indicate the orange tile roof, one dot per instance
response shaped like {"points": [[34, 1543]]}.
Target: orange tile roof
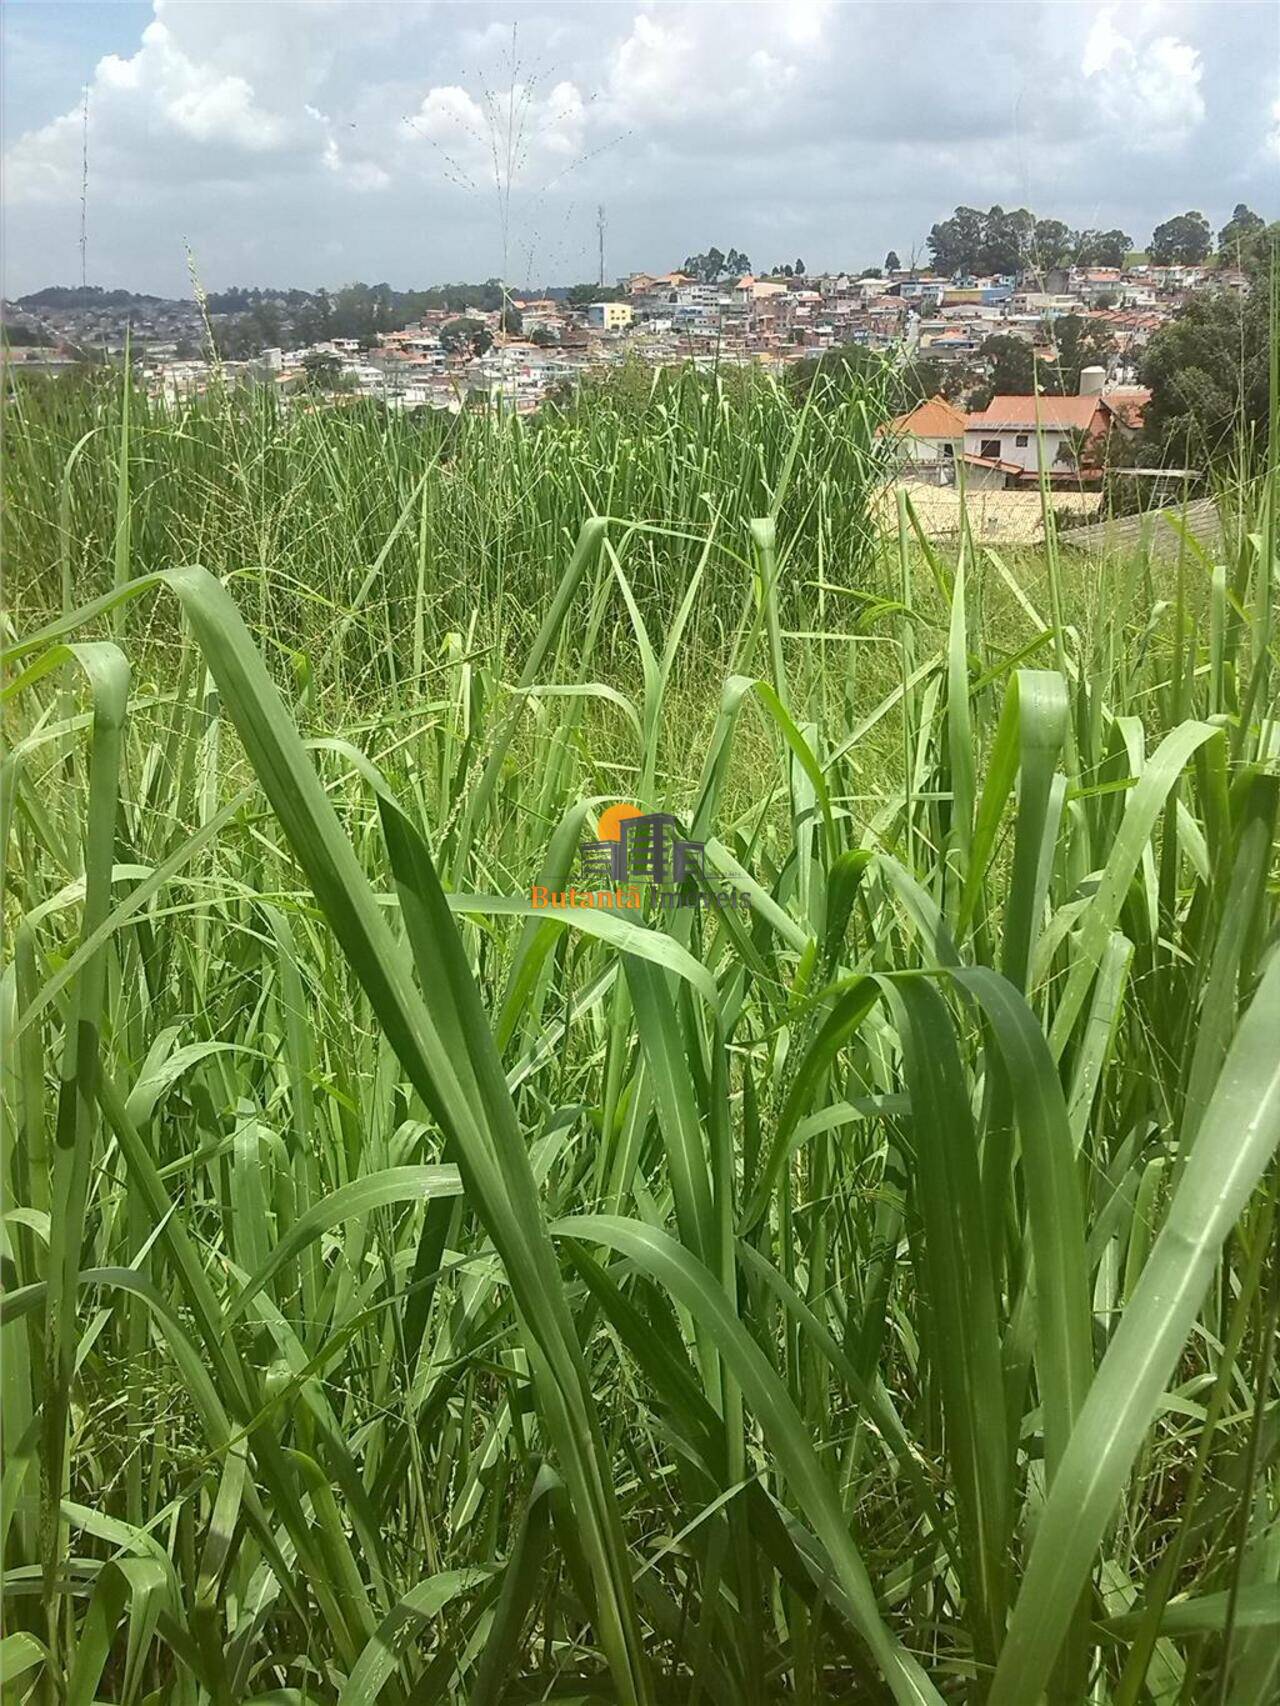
{"points": [[1129, 402], [935, 419], [1055, 414]]}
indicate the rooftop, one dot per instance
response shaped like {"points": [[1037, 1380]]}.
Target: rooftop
{"points": [[935, 419], [1055, 414]]}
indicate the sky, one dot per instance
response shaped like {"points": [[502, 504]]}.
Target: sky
{"points": [[316, 142]]}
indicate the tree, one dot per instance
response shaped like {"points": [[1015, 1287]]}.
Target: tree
{"points": [[1208, 369], [544, 337], [512, 320], [580, 295], [1080, 344], [1012, 365], [835, 372], [891, 262], [1051, 244], [705, 268], [1242, 225], [871, 272], [955, 244], [1257, 251], [800, 272], [1184, 240], [238, 338], [323, 372], [265, 318], [1006, 239], [1102, 248], [736, 264], [459, 334], [975, 242]]}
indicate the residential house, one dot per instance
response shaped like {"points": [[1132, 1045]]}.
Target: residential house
{"points": [[930, 437], [609, 316], [1007, 443]]}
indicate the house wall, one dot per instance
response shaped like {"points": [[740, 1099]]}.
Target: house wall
{"points": [[609, 316], [984, 479], [1025, 455], [928, 451]]}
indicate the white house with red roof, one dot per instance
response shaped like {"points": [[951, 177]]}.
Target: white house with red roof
{"points": [[1007, 443], [931, 435]]}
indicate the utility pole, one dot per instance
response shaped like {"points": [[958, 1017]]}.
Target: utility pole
{"points": [[84, 191], [600, 238]]}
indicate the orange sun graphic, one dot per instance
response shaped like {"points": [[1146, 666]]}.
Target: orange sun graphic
{"points": [[613, 817]]}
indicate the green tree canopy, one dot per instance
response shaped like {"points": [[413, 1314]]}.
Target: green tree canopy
{"points": [[1012, 241], [715, 264], [1051, 244], [580, 295], [1184, 240], [955, 244], [1101, 248], [462, 333], [1209, 369], [1080, 344], [322, 371], [1012, 365], [1242, 225]]}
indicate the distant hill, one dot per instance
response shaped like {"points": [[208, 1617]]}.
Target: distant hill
{"points": [[85, 296]]}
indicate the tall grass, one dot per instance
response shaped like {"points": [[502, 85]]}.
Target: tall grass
{"points": [[414, 1296]]}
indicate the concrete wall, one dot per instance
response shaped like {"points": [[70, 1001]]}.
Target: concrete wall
{"points": [[1025, 455]]}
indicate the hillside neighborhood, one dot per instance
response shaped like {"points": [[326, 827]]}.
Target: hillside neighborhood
{"points": [[516, 354], [1031, 375]]}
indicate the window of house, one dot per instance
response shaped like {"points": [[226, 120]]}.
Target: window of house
{"points": [[990, 447], [948, 450], [1021, 441]]}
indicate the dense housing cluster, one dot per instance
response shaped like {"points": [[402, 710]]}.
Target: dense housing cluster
{"points": [[515, 353]]}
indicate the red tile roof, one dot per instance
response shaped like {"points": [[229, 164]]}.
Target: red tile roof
{"points": [[1023, 414], [935, 419], [1129, 402]]}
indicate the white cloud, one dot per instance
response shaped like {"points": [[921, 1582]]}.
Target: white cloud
{"points": [[449, 114], [709, 63], [1147, 90], [286, 140], [140, 106], [1104, 45], [654, 66], [804, 21]]}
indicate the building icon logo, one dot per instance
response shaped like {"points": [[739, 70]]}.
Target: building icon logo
{"points": [[642, 859], [645, 847]]}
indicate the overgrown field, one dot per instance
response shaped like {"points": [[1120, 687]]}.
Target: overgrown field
{"points": [[863, 1292]]}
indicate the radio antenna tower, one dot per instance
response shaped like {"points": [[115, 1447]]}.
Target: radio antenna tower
{"points": [[84, 191], [600, 239]]}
